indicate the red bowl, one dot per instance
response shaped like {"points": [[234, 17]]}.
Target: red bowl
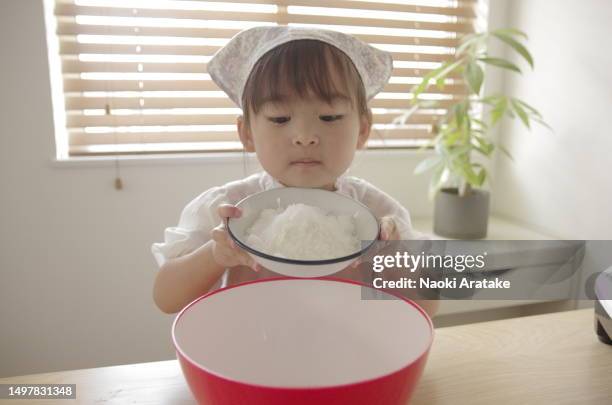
{"points": [[301, 341]]}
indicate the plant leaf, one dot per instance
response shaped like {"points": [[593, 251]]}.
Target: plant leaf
{"points": [[505, 152], [418, 89], [529, 108], [405, 116], [448, 69], [451, 138], [460, 151], [466, 171], [439, 73], [482, 145], [459, 112], [510, 31], [541, 122], [466, 42], [439, 146], [522, 114], [428, 164], [482, 175], [517, 46], [491, 100], [436, 181], [533, 113], [481, 123], [502, 63], [499, 110], [474, 76]]}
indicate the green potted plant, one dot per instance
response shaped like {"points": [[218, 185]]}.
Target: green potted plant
{"points": [[461, 208]]}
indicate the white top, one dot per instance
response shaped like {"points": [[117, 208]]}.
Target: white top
{"points": [[200, 216]]}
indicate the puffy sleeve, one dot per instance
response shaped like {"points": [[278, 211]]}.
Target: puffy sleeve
{"points": [[383, 205], [196, 222]]}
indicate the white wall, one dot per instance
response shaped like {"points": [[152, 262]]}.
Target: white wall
{"points": [[560, 182], [76, 269]]}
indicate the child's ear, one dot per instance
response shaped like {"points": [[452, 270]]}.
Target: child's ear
{"points": [[365, 125], [245, 134]]}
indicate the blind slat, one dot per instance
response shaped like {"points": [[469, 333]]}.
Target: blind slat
{"points": [[416, 140], [81, 120], [463, 9], [68, 11], [76, 66], [77, 103], [71, 28], [155, 148], [79, 85], [379, 23], [208, 85], [65, 14], [81, 138], [70, 46]]}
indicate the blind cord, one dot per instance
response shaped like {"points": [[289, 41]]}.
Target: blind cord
{"points": [[118, 183]]}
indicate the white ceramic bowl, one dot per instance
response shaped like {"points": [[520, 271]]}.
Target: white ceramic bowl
{"points": [[337, 204]]}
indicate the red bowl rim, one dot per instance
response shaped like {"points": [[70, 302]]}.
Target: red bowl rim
{"points": [[367, 381]]}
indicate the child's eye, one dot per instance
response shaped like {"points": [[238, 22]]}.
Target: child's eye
{"points": [[279, 120], [330, 118]]}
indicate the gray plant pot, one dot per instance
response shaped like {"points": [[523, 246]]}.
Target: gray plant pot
{"points": [[461, 217]]}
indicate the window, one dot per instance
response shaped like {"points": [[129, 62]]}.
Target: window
{"points": [[134, 71]]}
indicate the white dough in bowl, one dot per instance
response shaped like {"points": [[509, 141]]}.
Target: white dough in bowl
{"points": [[303, 232]]}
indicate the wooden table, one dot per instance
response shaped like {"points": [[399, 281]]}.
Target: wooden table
{"points": [[544, 359]]}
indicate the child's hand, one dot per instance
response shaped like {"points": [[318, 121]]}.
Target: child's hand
{"points": [[388, 230], [225, 251]]}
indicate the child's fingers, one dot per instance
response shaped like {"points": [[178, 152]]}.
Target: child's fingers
{"points": [[229, 211], [220, 235], [230, 251], [246, 260], [387, 228], [253, 264]]}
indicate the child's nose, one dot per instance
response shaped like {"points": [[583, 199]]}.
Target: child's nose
{"points": [[304, 139]]}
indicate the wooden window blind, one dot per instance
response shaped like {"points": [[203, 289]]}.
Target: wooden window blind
{"points": [[134, 72]]}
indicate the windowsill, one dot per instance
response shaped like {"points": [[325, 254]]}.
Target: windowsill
{"points": [[205, 158], [499, 229], [146, 160]]}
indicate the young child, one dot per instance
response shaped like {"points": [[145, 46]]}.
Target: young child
{"points": [[304, 95]]}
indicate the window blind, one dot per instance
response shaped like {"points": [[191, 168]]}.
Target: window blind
{"points": [[134, 72]]}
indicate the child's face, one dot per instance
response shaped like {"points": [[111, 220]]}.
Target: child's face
{"points": [[305, 142]]}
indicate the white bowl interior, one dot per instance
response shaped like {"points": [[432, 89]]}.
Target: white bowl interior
{"points": [[301, 333], [334, 203]]}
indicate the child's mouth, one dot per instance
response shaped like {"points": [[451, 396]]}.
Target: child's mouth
{"points": [[306, 162]]}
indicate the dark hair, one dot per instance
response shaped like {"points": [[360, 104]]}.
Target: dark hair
{"points": [[302, 66]]}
